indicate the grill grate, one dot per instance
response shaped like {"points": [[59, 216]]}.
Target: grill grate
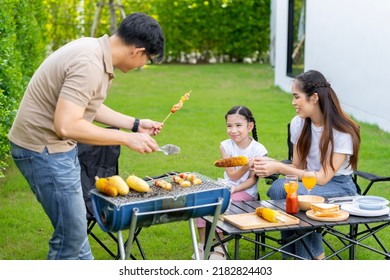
{"points": [[158, 193]]}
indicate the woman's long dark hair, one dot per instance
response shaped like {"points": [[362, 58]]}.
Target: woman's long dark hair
{"points": [[312, 82], [247, 114]]}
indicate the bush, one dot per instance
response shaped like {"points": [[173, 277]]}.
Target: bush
{"points": [[197, 30], [232, 30], [21, 50]]}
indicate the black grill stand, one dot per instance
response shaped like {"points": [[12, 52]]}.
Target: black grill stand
{"points": [[125, 254]]}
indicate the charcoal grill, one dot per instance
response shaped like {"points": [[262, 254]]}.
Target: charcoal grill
{"points": [[160, 206]]}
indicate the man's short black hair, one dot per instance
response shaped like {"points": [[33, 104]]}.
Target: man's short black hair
{"points": [[143, 31]]}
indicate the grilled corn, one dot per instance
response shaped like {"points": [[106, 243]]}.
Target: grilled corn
{"points": [[137, 184], [269, 215], [232, 161], [120, 184], [103, 185]]}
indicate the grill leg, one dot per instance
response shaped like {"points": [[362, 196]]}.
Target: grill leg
{"points": [[121, 245], [131, 233], [193, 237], [212, 228]]}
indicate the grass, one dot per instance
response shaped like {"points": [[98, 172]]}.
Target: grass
{"points": [[197, 128]]}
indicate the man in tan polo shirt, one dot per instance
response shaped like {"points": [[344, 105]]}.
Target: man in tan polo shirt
{"points": [[63, 98]]}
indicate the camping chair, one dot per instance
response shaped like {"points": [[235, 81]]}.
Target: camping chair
{"points": [[371, 178], [101, 161]]}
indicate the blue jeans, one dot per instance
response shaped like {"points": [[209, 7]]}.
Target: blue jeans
{"points": [[55, 181], [337, 186]]}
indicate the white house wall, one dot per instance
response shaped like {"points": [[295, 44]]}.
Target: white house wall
{"points": [[279, 9], [349, 42]]}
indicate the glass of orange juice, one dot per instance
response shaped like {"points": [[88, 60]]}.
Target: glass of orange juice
{"points": [[309, 179], [290, 183]]}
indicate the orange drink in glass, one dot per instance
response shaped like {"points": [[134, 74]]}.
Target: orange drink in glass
{"points": [[309, 180], [290, 187]]}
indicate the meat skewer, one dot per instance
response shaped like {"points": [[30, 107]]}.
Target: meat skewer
{"points": [[177, 106]]}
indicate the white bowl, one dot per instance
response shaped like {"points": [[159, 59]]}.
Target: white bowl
{"points": [[305, 201], [371, 202]]}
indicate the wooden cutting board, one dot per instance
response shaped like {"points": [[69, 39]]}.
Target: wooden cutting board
{"points": [[253, 221]]}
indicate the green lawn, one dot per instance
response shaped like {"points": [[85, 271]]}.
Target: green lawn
{"points": [[198, 129]]}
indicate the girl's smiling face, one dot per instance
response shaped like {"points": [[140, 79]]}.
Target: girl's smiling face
{"points": [[238, 128]]}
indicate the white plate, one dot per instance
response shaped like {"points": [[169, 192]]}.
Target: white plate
{"points": [[354, 209], [371, 202]]}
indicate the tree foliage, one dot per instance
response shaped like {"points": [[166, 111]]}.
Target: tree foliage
{"points": [[226, 28], [22, 48]]}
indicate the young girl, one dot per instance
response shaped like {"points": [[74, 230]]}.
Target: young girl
{"points": [[326, 140], [243, 182]]}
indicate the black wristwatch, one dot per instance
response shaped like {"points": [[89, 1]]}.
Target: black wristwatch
{"points": [[136, 125]]}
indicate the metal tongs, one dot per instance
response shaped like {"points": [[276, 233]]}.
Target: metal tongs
{"points": [[169, 149]]}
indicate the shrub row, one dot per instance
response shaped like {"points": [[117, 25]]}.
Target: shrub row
{"points": [[222, 29], [22, 48]]}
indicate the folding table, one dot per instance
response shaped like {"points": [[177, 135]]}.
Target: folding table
{"points": [[348, 241]]}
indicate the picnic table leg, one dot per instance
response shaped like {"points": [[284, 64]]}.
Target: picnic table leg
{"points": [[352, 234], [257, 246], [237, 246]]}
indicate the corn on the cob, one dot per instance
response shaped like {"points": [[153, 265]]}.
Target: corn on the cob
{"points": [[231, 162], [137, 184], [104, 186], [120, 184], [269, 215]]}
